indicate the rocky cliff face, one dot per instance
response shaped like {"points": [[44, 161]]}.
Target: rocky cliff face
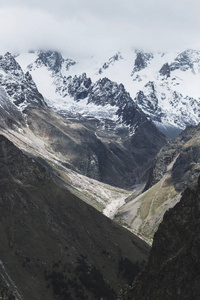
{"points": [[53, 245], [18, 85], [141, 61], [183, 150], [174, 266]]}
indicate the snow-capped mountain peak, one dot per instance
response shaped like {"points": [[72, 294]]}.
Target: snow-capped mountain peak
{"points": [[19, 86], [142, 60], [110, 62], [165, 86]]}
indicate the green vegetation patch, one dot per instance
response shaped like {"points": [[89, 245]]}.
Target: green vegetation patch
{"points": [[152, 205]]}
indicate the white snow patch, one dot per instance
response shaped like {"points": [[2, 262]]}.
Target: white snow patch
{"points": [[185, 83]]}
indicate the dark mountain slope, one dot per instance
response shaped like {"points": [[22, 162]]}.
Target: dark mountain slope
{"points": [[114, 158], [53, 245], [173, 270]]}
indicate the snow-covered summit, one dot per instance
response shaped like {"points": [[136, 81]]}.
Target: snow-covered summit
{"points": [[165, 86], [18, 86]]}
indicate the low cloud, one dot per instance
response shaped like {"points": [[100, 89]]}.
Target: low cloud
{"points": [[90, 27]]}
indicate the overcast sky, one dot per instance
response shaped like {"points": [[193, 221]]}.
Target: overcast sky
{"points": [[88, 27]]}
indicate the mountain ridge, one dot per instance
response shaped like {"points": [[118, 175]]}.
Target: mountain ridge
{"points": [[150, 78]]}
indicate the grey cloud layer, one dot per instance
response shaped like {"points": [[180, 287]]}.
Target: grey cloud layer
{"points": [[83, 27]]}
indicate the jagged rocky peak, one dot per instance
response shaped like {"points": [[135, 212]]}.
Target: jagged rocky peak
{"points": [[165, 70], [9, 65], [173, 270], [150, 104], [19, 87], [142, 60], [111, 61], [53, 60], [189, 59], [148, 101], [171, 112], [78, 86], [102, 92], [106, 91]]}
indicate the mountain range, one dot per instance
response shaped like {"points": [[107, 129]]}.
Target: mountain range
{"points": [[165, 86], [120, 134], [94, 126]]}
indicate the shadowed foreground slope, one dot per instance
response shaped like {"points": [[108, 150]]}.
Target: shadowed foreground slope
{"points": [[173, 270], [53, 245]]}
